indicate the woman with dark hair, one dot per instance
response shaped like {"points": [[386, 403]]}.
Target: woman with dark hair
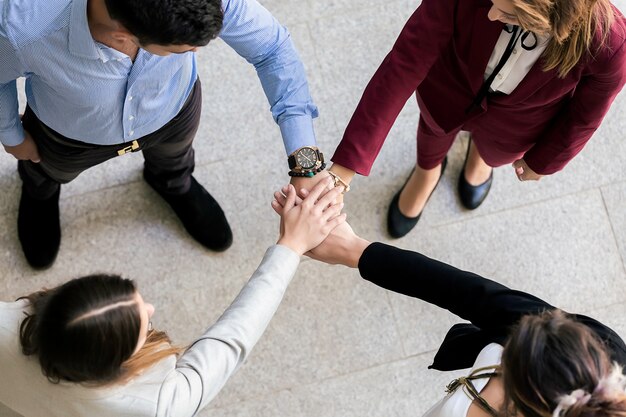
{"points": [[93, 341], [531, 80], [527, 358]]}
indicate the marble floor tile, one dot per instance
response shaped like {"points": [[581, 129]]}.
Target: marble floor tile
{"points": [[329, 323], [401, 388], [560, 250]]}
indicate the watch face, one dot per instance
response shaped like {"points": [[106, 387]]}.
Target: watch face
{"points": [[306, 158]]}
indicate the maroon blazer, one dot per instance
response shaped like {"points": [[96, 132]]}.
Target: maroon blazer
{"points": [[443, 51]]}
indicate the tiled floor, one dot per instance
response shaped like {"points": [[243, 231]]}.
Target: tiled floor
{"points": [[338, 346]]}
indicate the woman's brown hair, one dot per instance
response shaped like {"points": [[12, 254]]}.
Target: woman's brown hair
{"points": [[73, 344], [573, 25], [555, 366]]}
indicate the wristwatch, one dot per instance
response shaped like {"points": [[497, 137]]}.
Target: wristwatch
{"points": [[306, 161]]}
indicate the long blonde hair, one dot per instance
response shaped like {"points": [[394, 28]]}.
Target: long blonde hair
{"points": [[572, 25], [158, 346]]}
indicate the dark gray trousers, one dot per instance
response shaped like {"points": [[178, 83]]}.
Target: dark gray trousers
{"points": [[168, 153]]}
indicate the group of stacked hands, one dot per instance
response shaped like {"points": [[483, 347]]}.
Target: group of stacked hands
{"points": [[109, 77]]}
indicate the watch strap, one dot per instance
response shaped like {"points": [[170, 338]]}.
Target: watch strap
{"points": [[307, 173], [291, 160]]}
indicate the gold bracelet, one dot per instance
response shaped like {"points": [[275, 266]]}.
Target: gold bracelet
{"points": [[338, 181]]}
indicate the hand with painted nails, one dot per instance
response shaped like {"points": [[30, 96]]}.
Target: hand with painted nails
{"points": [[524, 172]]}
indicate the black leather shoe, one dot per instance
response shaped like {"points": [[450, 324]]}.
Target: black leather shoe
{"points": [[201, 215], [473, 196], [398, 224], [39, 229]]}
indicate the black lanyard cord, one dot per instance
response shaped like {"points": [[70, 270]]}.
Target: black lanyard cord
{"points": [[516, 34]]}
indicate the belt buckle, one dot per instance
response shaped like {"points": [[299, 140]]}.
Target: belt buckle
{"points": [[130, 148]]}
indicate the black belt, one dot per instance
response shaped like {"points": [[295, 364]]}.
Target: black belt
{"points": [[127, 147]]}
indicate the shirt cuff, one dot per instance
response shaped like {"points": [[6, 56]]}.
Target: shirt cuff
{"points": [[283, 257], [284, 252], [297, 132], [13, 136], [544, 161]]}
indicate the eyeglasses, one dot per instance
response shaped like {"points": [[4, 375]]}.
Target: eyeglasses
{"points": [[471, 391]]}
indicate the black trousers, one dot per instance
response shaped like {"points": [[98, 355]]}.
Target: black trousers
{"points": [[168, 153]]}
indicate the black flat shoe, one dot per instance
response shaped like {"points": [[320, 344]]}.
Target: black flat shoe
{"points": [[39, 229], [473, 196], [398, 224], [201, 215]]}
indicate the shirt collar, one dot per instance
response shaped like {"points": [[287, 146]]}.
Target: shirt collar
{"points": [[81, 43]]}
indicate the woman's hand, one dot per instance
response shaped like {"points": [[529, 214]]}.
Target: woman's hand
{"points": [[342, 246], [305, 225], [524, 173]]}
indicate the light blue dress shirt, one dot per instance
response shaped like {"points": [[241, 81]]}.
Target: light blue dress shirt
{"points": [[92, 93]]}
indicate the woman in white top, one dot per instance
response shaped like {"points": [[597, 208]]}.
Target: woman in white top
{"points": [[528, 358], [86, 348]]}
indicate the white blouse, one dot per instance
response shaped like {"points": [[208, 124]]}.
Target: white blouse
{"points": [[172, 387], [457, 403], [517, 66]]}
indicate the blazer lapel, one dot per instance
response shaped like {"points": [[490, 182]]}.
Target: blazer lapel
{"points": [[484, 38], [531, 83]]}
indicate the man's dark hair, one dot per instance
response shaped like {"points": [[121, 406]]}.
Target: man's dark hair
{"points": [[169, 22]]}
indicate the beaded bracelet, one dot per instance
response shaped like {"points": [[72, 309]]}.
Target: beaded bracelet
{"points": [[309, 173]]}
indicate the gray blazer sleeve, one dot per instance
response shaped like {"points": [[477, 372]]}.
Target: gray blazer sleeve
{"points": [[204, 368]]}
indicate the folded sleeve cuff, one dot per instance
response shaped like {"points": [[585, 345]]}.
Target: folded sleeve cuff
{"points": [[297, 132], [13, 136], [283, 258]]}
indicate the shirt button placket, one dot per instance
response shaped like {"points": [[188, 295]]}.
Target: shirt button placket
{"points": [[131, 132]]}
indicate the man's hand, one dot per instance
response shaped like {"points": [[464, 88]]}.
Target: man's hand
{"points": [[308, 182], [524, 173], [26, 150]]}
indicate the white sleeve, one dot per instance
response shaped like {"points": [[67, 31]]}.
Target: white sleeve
{"points": [[204, 368]]}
